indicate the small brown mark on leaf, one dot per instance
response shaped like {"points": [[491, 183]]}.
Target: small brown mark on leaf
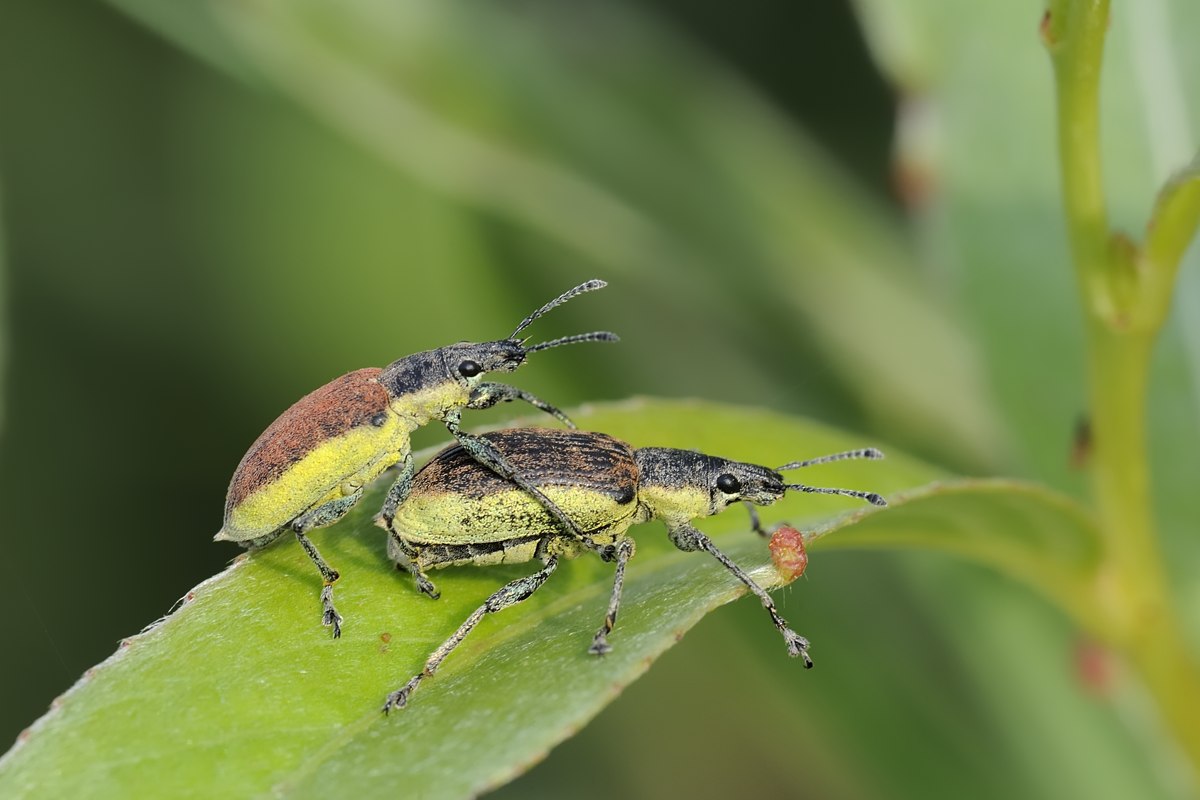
{"points": [[1094, 667]]}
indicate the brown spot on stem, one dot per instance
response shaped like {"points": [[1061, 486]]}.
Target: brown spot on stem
{"points": [[330, 411], [1046, 31], [1081, 443]]}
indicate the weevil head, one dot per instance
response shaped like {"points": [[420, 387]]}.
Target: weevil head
{"points": [[444, 373], [684, 484]]}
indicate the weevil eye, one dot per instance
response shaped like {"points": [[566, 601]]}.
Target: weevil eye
{"points": [[729, 484], [469, 368]]}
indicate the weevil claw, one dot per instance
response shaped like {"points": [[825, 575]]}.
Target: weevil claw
{"points": [[331, 618], [399, 698], [797, 645], [600, 646]]}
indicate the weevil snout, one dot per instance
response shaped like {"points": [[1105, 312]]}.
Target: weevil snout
{"points": [[502, 356], [738, 481], [471, 360]]}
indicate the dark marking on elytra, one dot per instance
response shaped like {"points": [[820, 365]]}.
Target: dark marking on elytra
{"points": [[347, 402], [544, 457]]}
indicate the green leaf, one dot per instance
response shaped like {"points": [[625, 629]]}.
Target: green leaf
{"points": [[1032, 534], [241, 691]]}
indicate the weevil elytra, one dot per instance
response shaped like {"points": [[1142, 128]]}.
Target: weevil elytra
{"points": [[459, 514], [310, 466]]}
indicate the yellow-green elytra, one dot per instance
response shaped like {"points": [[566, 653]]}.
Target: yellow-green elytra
{"points": [[310, 466], [459, 514]]}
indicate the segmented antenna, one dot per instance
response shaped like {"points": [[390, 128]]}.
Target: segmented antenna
{"points": [[870, 497], [866, 452], [588, 286], [594, 336]]}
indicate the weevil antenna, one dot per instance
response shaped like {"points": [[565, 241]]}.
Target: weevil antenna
{"points": [[594, 336], [870, 497], [587, 286], [866, 452]]}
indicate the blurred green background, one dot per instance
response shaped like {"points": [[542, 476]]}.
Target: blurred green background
{"points": [[210, 209]]}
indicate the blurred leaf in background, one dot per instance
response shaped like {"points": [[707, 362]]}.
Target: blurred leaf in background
{"points": [[214, 207]]}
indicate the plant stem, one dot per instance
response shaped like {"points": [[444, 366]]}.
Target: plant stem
{"points": [[1133, 590]]}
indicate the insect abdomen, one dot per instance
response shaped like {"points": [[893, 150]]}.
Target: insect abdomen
{"points": [[337, 433]]}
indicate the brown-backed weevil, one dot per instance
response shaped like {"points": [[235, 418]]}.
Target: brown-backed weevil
{"points": [[311, 465], [460, 514]]}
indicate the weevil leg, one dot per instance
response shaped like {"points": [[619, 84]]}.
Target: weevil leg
{"points": [[755, 522], [397, 494], [486, 395], [687, 538], [508, 595], [318, 517], [407, 558], [330, 617], [600, 644], [486, 453]]}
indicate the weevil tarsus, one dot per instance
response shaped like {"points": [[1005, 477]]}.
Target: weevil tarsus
{"points": [[329, 615], [508, 595], [406, 558], [486, 395], [755, 521], [688, 538], [600, 645]]}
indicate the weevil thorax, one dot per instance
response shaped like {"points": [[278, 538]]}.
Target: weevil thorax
{"points": [[679, 485], [431, 384]]}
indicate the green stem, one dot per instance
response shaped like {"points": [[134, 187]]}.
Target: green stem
{"points": [[1133, 590], [1074, 33]]}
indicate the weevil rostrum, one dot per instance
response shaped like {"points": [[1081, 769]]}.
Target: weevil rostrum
{"points": [[459, 514], [310, 466]]}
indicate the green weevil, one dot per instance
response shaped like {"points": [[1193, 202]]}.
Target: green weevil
{"points": [[459, 514], [310, 466]]}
